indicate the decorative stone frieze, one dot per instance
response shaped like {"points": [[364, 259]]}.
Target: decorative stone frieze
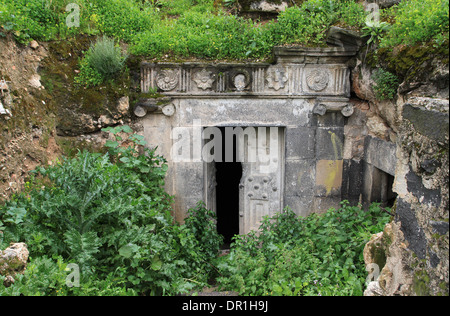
{"points": [[296, 73]]}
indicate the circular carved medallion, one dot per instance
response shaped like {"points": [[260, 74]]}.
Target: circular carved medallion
{"points": [[167, 79], [317, 79], [168, 110], [240, 79]]}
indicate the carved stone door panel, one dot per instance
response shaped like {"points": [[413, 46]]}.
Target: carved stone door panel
{"points": [[261, 183]]}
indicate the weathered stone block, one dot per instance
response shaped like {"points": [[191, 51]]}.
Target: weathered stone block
{"points": [[299, 178], [323, 204], [430, 123], [302, 206], [381, 154], [300, 143], [411, 229], [416, 187], [352, 181], [329, 143], [329, 119], [344, 38], [328, 178]]}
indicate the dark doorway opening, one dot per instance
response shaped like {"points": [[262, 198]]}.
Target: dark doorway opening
{"points": [[228, 177], [390, 196]]}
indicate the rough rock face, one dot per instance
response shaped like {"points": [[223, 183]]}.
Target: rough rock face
{"points": [[388, 251], [263, 5], [73, 122], [43, 114], [13, 260], [415, 243]]}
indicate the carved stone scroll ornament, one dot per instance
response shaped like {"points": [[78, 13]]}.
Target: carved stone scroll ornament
{"points": [[160, 105], [317, 79], [322, 108], [347, 110], [143, 106], [204, 79], [167, 79], [168, 110], [276, 78]]}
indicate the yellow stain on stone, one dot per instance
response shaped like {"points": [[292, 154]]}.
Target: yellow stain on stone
{"points": [[329, 174], [337, 145]]}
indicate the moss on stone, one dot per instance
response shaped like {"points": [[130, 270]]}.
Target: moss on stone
{"points": [[69, 100], [409, 62], [421, 286]]}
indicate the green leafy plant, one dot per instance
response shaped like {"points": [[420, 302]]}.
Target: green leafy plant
{"points": [[102, 61], [314, 255], [386, 84], [375, 29], [109, 214], [202, 223], [418, 21], [105, 57]]}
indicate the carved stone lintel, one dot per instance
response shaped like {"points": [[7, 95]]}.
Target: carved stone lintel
{"points": [[240, 79], [276, 78], [317, 79]]}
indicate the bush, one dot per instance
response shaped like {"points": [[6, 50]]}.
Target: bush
{"points": [[105, 57], [315, 255], [418, 21], [386, 84], [109, 214], [102, 61]]}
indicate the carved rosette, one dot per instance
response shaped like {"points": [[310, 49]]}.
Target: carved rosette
{"points": [[317, 79], [204, 79], [276, 78], [167, 79]]}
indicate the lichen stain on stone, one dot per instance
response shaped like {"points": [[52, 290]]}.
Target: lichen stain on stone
{"points": [[329, 175]]}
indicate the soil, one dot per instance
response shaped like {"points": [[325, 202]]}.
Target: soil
{"points": [[27, 137]]}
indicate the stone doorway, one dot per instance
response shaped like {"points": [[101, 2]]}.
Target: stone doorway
{"points": [[245, 181], [303, 95]]}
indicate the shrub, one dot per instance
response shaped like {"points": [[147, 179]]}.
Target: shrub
{"points": [[109, 214], [386, 84], [315, 255], [418, 21], [105, 57], [48, 276], [102, 61]]}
